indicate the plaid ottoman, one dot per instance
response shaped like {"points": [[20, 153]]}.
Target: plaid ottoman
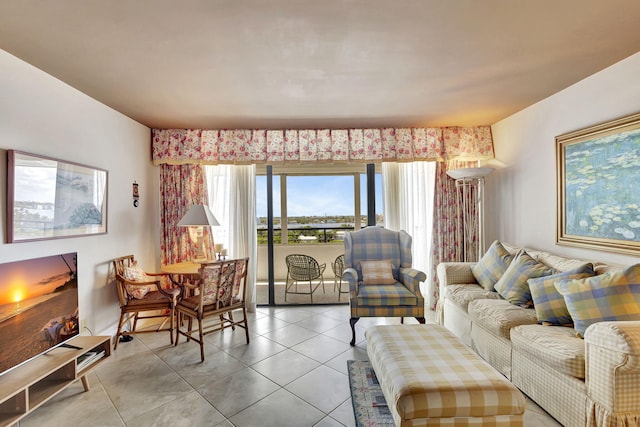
{"points": [[429, 378]]}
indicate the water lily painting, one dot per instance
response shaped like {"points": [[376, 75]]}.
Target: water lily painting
{"points": [[599, 186]]}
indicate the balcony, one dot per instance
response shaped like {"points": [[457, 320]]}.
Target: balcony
{"points": [[324, 242]]}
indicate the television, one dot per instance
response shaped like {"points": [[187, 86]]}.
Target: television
{"points": [[38, 307]]}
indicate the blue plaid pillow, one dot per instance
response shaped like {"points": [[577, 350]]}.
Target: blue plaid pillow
{"points": [[548, 302], [513, 285], [492, 265], [607, 297]]}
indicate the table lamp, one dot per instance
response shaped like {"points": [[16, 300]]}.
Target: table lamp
{"points": [[199, 216]]}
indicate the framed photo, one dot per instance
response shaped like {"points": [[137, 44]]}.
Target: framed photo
{"points": [[49, 198], [598, 179]]}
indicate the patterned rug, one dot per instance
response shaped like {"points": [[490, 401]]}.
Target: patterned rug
{"points": [[369, 406]]}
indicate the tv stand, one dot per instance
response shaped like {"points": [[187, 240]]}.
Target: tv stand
{"points": [[27, 387]]}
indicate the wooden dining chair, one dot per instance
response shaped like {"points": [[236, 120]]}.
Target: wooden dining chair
{"points": [[220, 290], [142, 296]]}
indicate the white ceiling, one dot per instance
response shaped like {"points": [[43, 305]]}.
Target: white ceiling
{"points": [[319, 63]]}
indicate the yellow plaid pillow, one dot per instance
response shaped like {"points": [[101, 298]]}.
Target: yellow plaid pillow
{"points": [[607, 297], [377, 272]]}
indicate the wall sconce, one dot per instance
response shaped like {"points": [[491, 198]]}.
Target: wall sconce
{"points": [[136, 195]]}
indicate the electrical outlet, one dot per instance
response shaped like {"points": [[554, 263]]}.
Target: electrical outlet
{"points": [[83, 325]]}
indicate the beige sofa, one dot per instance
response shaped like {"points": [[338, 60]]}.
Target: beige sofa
{"points": [[591, 381]]}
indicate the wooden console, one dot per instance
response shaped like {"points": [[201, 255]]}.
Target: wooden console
{"points": [[27, 387]]}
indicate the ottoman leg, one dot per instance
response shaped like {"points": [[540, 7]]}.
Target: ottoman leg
{"points": [[420, 319], [352, 322]]}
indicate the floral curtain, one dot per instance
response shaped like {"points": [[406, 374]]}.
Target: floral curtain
{"points": [[181, 187], [246, 146], [448, 230]]}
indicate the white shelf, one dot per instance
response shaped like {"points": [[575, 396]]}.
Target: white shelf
{"points": [[26, 387]]}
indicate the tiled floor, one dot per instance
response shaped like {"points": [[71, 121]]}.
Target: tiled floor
{"points": [[293, 373]]}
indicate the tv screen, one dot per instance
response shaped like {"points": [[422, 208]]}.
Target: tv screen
{"points": [[38, 307]]}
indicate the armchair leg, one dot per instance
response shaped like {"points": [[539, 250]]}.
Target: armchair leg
{"points": [[352, 322], [420, 319]]}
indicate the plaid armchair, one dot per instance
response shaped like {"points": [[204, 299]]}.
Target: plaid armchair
{"points": [[381, 280]]}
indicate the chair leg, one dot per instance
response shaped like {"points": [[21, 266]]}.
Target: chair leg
{"points": [[246, 324], [402, 320], [119, 332], [179, 322], [172, 324], [201, 340], [421, 320], [135, 323], [352, 322]]}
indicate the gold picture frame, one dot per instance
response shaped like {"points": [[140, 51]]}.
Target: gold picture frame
{"points": [[49, 198], [598, 186]]}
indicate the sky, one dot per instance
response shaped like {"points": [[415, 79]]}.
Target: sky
{"points": [[316, 195]]}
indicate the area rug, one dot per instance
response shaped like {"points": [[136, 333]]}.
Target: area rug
{"points": [[369, 406]]}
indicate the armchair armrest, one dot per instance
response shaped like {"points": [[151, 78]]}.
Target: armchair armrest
{"points": [[350, 275], [455, 273], [411, 278], [612, 357], [156, 283]]}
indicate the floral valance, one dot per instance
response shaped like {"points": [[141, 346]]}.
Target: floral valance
{"points": [[250, 146]]}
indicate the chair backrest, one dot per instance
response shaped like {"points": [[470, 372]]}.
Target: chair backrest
{"points": [[302, 267], [223, 283], [119, 265], [377, 244], [338, 266]]}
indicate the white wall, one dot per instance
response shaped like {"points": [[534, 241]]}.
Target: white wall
{"points": [[42, 115], [521, 193]]}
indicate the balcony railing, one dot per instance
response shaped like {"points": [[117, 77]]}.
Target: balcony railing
{"points": [[306, 233]]}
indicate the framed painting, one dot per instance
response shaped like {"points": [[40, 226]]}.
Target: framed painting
{"points": [[598, 179], [49, 198]]}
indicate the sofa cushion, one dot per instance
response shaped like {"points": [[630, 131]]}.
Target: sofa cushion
{"points": [[462, 295], [492, 265], [499, 316], [555, 347], [607, 297], [558, 263], [513, 285], [548, 302]]}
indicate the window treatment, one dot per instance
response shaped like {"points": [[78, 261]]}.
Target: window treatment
{"points": [[247, 146], [180, 188], [232, 199], [180, 152], [408, 194], [448, 227]]}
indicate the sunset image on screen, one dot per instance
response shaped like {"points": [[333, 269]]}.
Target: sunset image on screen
{"points": [[38, 306]]}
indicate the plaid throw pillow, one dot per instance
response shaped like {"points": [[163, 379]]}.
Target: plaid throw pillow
{"points": [[607, 297], [377, 272], [492, 266], [513, 285], [548, 302]]}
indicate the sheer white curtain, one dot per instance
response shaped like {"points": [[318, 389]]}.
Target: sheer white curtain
{"points": [[407, 192], [232, 199]]}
